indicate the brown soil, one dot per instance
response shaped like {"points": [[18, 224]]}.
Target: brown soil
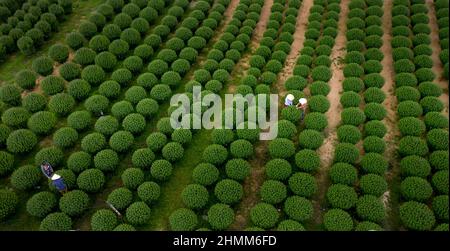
{"points": [[253, 182], [243, 64], [296, 46], [326, 151], [438, 68], [391, 138]]}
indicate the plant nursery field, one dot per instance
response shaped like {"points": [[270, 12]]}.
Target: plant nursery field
{"points": [[86, 87]]}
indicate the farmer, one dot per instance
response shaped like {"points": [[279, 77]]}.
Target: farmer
{"points": [[47, 169], [58, 182], [289, 101], [302, 105]]}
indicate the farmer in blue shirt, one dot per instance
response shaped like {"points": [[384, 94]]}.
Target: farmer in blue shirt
{"points": [[59, 183]]}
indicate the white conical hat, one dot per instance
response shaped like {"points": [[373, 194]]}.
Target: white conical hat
{"points": [[290, 97], [302, 101], [55, 176]]}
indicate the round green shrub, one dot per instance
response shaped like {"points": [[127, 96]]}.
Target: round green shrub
{"points": [[106, 160], [21, 141], [439, 160], [93, 142], [302, 184], [79, 89], [228, 191], [26, 79], [416, 216], [373, 184], [106, 125], [215, 154], [350, 99], [173, 151], [79, 120], [343, 173], [52, 85], [349, 134], [25, 177], [155, 141], [346, 152], [237, 169], [440, 182], [121, 141], [65, 137], [42, 122], [264, 215], [138, 213], [96, 104], [91, 180], [290, 225], [281, 148], [307, 160], [410, 145], [132, 178], [220, 216], [106, 60], [84, 56], [79, 161], [195, 196], [341, 196], [41, 204], [56, 222], [42, 65], [337, 220], [61, 103], [69, 71], [161, 169], [74, 203], [374, 163], [370, 208], [278, 169], [440, 207], [298, 208], [120, 198], [205, 174], [149, 191], [183, 219], [103, 220], [143, 158], [411, 126]]}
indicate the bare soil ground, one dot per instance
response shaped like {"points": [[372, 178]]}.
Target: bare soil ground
{"points": [[438, 68], [326, 151], [391, 138], [253, 182]]}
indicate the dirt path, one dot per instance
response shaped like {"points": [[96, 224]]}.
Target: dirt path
{"points": [[326, 151], [243, 64], [438, 68], [296, 46], [392, 136]]}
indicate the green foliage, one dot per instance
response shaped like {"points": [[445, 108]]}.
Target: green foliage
{"points": [[106, 60], [93, 142], [264, 215], [132, 178], [106, 160], [373, 184], [281, 148], [183, 219], [75, 40], [405, 93], [79, 89], [93, 74], [237, 169], [307, 160], [220, 216], [374, 163], [337, 220], [273, 192], [103, 220], [42, 65], [370, 208], [205, 174], [439, 160], [61, 103], [160, 92], [161, 169], [316, 121], [25, 177], [134, 123], [143, 158], [52, 85], [350, 99], [302, 184], [374, 144], [42, 122], [138, 213], [228, 191], [341, 196], [121, 141], [21, 141], [348, 134], [96, 104], [440, 182], [84, 56], [290, 225], [79, 120], [58, 52], [41, 204], [410, 145], [120, 198], [149, 191], [74, 203], [195, 196], [215, 154], [411, 126], [91, 180], [173, 151], [440, 207], [321, 73], [346, 152], [298, 208], [56, 222], [416, 216], [343, 173], [70, 71], [79, 161], [15, 116], [26, 79]]}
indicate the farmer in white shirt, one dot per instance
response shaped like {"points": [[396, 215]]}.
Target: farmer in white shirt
{"points": [[289, 101]]}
